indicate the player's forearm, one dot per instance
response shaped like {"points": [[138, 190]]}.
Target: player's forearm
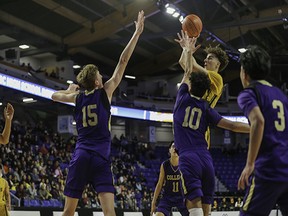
{"points": [[182, 60], [64, 92], [241, 127], [127, 52], [186, 60], [8, 198], [63, 97], [255, 138], [8, 203], [156, 193], [4, 137], [124, 58]]}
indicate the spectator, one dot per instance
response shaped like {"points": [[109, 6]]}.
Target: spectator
{"points": [[43, 192], [32, 191]]}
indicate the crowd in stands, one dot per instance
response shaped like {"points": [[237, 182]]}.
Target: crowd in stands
{"points": [[53, 72], [227, 204], [36, 160]]}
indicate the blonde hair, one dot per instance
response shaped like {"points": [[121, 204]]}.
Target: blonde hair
{"points": [[87, 76]]}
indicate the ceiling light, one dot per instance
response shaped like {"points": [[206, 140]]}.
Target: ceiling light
{"points": [[24, 46], [130, 77], [1, 103], [176, 14], [170, 10], [28, 100], [181, 18], [69, 81], [285, 23], [242, 50], [76, 66]]}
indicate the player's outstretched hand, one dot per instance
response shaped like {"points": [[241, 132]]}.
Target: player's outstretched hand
{"points": [[140, 22], [186, 42], [8, 112]]}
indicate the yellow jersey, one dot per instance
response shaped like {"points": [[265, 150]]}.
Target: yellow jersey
{"points": [[216, 88], [2, 191], [3, 208], [213, 95]]}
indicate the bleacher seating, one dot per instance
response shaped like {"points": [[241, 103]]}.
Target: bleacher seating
{"points": [[228, 167]]}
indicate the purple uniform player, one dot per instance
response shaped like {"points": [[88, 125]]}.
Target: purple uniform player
{"points": [[191, 117], [169, 185], [90, 162], [93, 145], [266, 106]]}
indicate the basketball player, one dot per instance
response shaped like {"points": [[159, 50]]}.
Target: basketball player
{"points": [[170, 181], [215, 62], [8, 116], [5, 201], [90, 162], [191, 117], [265, 175]]}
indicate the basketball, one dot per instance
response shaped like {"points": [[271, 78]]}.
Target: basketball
{"points": [[192, 24]]}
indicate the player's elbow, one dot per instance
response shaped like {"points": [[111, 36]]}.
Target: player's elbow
{"points": [[54, 97], [4, 140], [258, 122], [123, 60]]}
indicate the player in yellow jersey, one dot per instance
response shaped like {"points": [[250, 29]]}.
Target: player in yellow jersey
{"points": [[5, 201], [215, 62]]}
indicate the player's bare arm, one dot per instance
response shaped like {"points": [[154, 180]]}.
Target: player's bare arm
{"points": [[116, 78]]}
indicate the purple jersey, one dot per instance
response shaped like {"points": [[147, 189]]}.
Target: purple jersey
{"points": [[191, 118], [272, 160], [172, 183], [172, 193], [92, 116]]}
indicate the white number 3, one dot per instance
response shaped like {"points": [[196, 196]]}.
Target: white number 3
{"points": [[280, 122]]}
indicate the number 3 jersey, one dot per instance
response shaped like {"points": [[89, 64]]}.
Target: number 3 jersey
{"points": [[92, 116], [272, 160], [191, 117]]}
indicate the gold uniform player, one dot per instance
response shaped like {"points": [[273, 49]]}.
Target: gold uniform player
{"points": [[4, 196], [215, 62]]}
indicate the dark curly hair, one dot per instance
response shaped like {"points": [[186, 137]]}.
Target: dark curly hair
{"points": [[256, 62], [220, 54], [200, 83]]}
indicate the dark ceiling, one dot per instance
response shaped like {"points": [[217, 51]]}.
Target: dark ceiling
{"points": [[96, 31]]}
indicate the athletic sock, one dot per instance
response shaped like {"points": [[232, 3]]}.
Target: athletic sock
{"points": [[196, 212]]}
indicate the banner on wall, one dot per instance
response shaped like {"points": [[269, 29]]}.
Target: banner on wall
{"points": [[152, 134], [65, 124], [227, 138]]}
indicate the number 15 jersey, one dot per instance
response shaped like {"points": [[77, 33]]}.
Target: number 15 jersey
{"points": [[92, 116], [191, 117]]}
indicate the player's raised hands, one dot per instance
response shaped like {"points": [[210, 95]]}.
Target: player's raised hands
{"points": [[8, 112], [140, 22], [186, 42]]}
